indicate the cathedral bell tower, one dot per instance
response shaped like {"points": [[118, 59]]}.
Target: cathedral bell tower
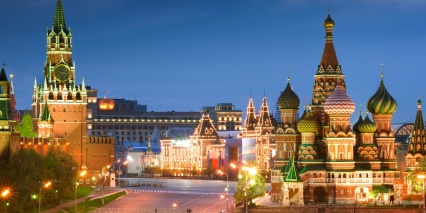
{"points": [[59, 94], [328, 72]]}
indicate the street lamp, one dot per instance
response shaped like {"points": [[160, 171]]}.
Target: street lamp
{"points": [[45, 185], [119, 172], [81, 174], [226, 189], [176, 205], [104, 170], [422, 176], [248, 171], [4, 194]]}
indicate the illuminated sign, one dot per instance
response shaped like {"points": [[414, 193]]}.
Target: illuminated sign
{"points": [[106, 104]]}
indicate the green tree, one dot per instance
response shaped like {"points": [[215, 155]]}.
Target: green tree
{"points": [[255, 185], [26, 127], [26, 170], [60, 170]]}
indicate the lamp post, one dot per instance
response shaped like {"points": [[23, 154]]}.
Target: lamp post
{"points": [[422, 176], [81, 174], [45, 185], [103, 180], [4, 194], [226, 189], [248, 171], [119, 172]]}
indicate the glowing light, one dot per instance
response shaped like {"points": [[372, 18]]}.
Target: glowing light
{"points": [[182, 143], [5, 192]]}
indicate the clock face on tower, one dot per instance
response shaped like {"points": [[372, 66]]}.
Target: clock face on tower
{"points": [[62, 72]]}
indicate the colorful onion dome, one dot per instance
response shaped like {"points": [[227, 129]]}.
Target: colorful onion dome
{"points": [[360, 120], [382, 102], [288, 98], [308, 123], [328, 22], [367, 126], [339, 102]]}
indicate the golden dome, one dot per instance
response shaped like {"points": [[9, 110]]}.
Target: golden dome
{"points": [[328, 22]]}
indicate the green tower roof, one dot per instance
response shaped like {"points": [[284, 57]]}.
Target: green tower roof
{"points": [[292, 174], [59, 19], [45, 115], [3, 76]]}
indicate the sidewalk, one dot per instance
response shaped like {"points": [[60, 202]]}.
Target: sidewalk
{"points": [[94, 194]]}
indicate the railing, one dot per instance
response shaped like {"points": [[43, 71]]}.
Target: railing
{"points": [[350, 180]]}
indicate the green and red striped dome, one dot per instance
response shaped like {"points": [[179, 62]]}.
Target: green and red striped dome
{"points": [[382, 102]]}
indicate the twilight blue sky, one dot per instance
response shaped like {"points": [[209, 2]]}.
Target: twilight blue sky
{"points": [[183, 55]]}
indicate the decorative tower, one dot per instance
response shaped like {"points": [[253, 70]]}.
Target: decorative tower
{"points": [[382, 105], [417, 146], [66, 101], [286, 137], [264, 130], [208, 143], [251, 121], [366, 151], [292, 187], [328, 72], [308, 126], [45, 123], [7, 124], [340, 138], [288, 103]]}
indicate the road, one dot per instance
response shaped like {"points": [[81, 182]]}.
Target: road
{"points": [[201, 196]]}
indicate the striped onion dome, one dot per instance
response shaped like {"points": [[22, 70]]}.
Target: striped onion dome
{"points": [[288, 98], [308, 123], [367, 126], [382, 102], [355, 126], [339, 102]]}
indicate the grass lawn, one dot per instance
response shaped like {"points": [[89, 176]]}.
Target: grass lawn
{"points": [[90, 205], [83, 191]]}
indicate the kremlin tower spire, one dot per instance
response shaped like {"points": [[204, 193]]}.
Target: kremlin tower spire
{"points": [[59, 19]]}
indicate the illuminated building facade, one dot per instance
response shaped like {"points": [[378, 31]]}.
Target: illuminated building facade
{"points": [[225, 117], [321, 157], [204, 149], [59, 107], [126, 120], [259, 127], [414, 157]]}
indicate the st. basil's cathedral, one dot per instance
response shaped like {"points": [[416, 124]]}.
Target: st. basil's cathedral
{"points": [[321, 157]]}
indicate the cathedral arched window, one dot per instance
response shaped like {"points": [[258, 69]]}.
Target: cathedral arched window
{"points": [[1, 89]]}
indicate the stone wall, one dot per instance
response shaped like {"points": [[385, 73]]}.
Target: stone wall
{"points": [[328, 209]]}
